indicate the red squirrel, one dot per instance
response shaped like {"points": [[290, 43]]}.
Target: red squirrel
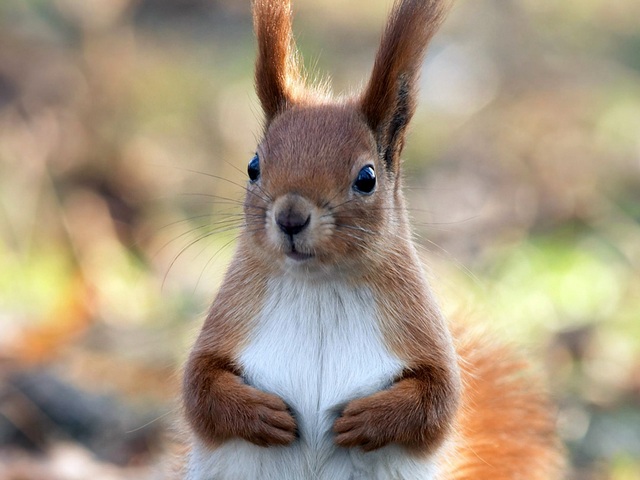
{"points": [[324, 354]]}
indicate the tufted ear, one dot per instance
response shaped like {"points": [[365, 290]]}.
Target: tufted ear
{"points": [[389, 100], [277, 77]]}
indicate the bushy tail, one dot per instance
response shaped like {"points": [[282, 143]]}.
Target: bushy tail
{"points": [[506, 424]]}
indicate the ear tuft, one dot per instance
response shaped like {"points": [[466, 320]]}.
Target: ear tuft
{"points": [[277, 76], [389, 100]]}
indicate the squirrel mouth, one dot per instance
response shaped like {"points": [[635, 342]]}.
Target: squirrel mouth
{"points": [[298, 256]]}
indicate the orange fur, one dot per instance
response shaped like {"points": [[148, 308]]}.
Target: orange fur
{"points": [[506, 423]]}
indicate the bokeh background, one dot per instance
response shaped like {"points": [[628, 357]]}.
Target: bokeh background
{"points": [[125, 130]]}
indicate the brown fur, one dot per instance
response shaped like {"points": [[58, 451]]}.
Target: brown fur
{"points": [[310, 156], [217, 403]]}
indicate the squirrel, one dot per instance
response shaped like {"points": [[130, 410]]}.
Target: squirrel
{"points": [[324, 354]]}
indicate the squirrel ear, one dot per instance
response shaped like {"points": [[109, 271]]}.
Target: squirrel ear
{"points": [[277, 74], [389, 100]]}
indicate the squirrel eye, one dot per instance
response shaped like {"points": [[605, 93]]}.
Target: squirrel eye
{"points": [[366, 181], [254, 168]]}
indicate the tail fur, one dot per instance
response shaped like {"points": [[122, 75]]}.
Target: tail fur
{"points": [[506, 425]]}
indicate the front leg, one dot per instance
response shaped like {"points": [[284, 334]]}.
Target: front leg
{"points": [[416, 412], [220, 406]]}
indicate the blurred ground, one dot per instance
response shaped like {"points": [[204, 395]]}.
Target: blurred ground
{"points": [[523, 172]]}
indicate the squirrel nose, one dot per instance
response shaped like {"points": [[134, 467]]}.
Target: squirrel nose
{"points": [[291, 221]]}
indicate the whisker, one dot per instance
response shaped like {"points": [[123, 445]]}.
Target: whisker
{"points": [[183, 221], [328, 202], [175, 259], [235, 167], [154, 420], [211, 258], [449, 256], [217, 177], [221, 227], [257, 185], [233, 201], [335, 207], [339, 233], [183, 234], [355, 227], [226, 201], [193, 242], [207, 215]]}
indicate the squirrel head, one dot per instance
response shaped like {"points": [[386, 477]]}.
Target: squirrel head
{"points": [[324, 186]]}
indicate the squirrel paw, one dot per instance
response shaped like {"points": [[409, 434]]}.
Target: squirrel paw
{"points": [[267, 421], [367, 423]]}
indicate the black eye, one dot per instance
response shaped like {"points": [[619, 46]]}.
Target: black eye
{"points": [[366, 181], [254, 168]]}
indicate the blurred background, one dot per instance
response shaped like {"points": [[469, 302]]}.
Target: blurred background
{"points": [[125, 130]]}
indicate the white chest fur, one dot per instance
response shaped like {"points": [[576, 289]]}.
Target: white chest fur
{"points": [[317, 345]]}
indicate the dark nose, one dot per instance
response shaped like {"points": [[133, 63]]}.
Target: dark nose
{"points": [[291, 221]]}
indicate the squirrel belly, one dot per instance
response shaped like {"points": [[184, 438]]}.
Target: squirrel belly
{"points": [[318, 345]]}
